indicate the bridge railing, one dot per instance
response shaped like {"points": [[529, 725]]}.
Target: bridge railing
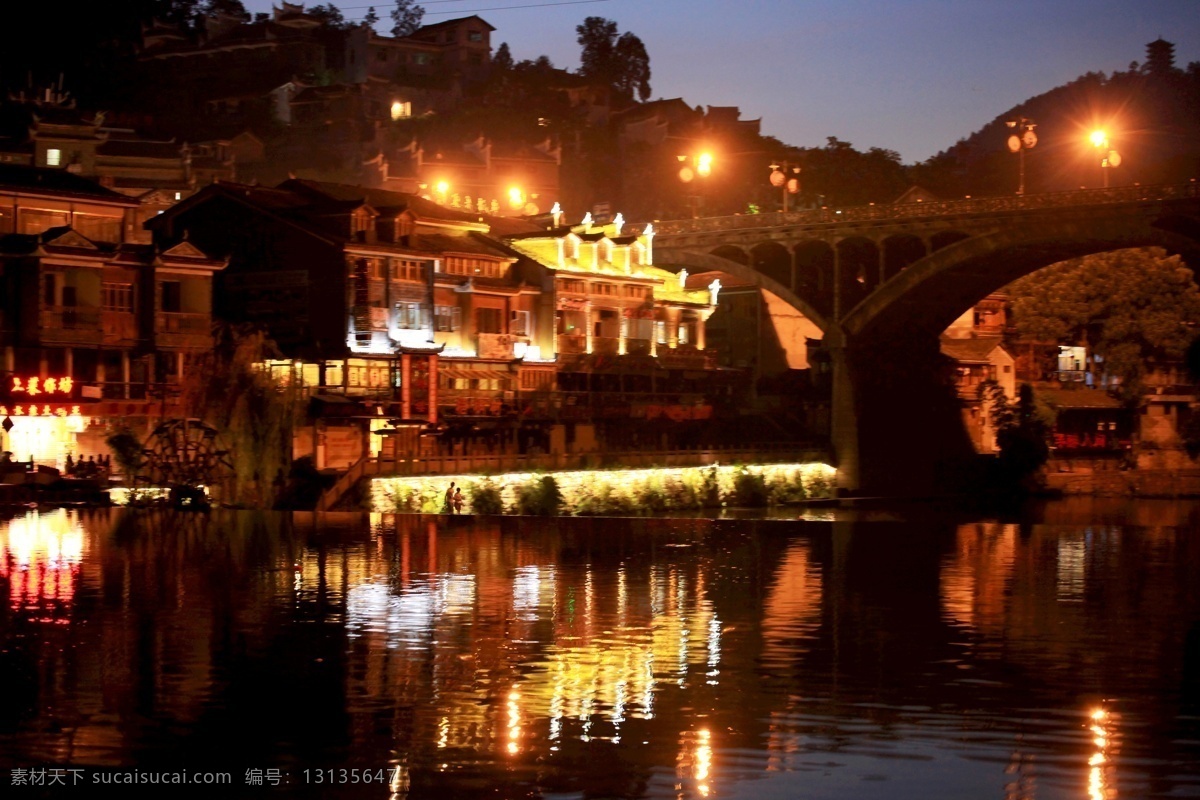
{"points": [[938, 208]]}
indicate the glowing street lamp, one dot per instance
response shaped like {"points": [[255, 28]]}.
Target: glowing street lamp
{"points": [[442, 188], [1022, 139], [1109, 158], [787, 179], [695, 166]]}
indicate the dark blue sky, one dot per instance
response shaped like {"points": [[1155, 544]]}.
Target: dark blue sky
{"points": [[913, 76]]}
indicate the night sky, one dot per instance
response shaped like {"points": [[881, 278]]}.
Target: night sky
{"points": [[913, 76]]}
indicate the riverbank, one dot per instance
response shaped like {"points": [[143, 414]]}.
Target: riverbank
{"points": [[1127, 483]]}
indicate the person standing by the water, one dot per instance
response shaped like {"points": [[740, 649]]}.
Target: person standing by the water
{"points": [[458, 501], [448, 505]]}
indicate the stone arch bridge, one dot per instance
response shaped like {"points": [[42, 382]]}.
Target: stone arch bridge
{"points": [[882, 283]]}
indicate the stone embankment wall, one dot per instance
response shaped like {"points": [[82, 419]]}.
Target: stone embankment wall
{"points": [[1128, 483]]}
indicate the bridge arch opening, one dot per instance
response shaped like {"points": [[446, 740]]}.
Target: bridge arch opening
{"points": [[815, 261], [732, 253], [900, 251], [858, 269], [773, 260], [943, 239]]}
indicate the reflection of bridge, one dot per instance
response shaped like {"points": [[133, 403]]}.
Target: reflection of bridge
{"points": [[883, 281]]}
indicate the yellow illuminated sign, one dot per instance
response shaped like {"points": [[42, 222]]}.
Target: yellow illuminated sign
{"points": [[35, 386]]}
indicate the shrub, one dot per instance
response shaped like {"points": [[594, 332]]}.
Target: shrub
{"points": [[540, 497], [818, 485], [485, 497], [749, 489], [786, 487]]}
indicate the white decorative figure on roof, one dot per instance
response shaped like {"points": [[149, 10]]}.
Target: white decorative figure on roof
{"points": [[683, 279], [619, 222], [714, 289], [587, 220], [556, 213]]}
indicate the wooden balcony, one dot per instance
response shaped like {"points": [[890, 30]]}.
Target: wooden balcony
{"points": [[70, 325], [570, 344], [178, 329]]}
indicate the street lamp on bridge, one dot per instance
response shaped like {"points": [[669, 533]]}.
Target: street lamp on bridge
{"points": [[1022, 139], [694, 166], [787, 178], [1109, 158]]}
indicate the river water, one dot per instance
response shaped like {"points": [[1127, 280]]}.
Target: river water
{"points": [[876, 654]]}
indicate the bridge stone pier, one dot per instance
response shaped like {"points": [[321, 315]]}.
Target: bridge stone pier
{"points": [[883, 282]]}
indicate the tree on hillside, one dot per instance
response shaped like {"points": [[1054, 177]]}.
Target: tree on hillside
{"points": [[839, 175], [1158, 138], [503, 59], [1128, 308], [233, 8], [371, 19], [617, 61], [330, 16], [406, 17]]}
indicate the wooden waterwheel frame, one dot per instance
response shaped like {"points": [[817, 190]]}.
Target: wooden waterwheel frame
{"points": [[184, 454]]}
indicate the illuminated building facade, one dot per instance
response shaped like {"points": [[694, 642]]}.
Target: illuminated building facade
{"points": [[49, 134], [93, 328], [389, 306]]}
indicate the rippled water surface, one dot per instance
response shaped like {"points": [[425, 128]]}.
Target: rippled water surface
{"points": [[877, 658]]}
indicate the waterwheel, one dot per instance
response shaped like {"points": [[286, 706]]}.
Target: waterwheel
{"points": [[184, 456]]}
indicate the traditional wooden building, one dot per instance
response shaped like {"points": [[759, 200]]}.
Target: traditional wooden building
{"points": [[95, 330]]}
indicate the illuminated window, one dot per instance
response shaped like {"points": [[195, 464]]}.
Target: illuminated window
{"points": [[401, 110], [117, 296], [405, 270], [447, 318], [53, 157], [519, 323], [409, 316]]}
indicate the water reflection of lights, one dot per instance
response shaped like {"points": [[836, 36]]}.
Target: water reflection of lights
{"points": [[1101, 785], [514, 722], [400, 783], [975, 578], [695, 761], [527, 591], [42, 557], [792, 610], [1072, 551], [405, 617]]}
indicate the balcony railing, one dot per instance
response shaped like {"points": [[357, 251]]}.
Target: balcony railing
{"points": [[181, 322], [571, 344], [71, 324], [183, 329]]}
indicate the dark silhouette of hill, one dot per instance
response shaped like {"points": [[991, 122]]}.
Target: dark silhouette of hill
{"points": [[1151, 113]]}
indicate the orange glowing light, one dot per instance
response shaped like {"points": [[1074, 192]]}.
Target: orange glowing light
{"points": [[1099, 138]]}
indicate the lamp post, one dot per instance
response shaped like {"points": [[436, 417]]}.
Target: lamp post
{"points": [[1022, 139], [787, 178], [1109, 158], [699, 165]]}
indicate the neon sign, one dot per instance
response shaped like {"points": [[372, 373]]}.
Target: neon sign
{"points": [[32, 410], [36, 386]]}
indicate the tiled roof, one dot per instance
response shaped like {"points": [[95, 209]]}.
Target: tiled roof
{"points": [[975, 350], [57, 182], [1078, 398], [139, 148]]}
